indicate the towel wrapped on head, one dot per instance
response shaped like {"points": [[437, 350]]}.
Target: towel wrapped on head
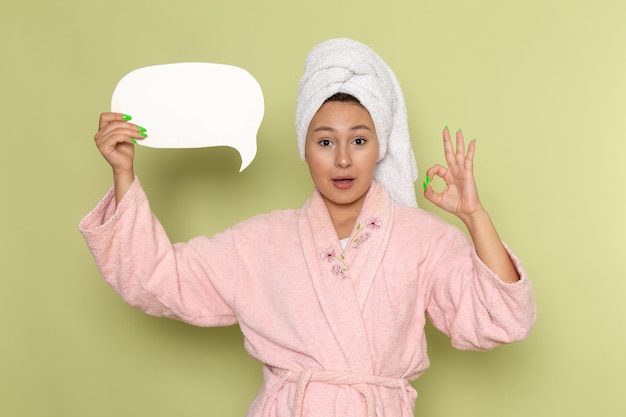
{"points": [[347, 66]]}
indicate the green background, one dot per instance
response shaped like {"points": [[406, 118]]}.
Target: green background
{"points": [[540, 83]]}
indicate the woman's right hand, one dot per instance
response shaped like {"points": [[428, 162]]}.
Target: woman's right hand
{"points": [[115, 142]]}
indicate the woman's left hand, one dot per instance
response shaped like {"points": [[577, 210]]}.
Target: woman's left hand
{"points": [[460, 195]]}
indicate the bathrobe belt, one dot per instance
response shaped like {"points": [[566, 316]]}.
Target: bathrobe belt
{"points": [[363, 384]]}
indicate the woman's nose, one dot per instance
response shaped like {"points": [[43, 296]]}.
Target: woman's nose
{"points": [[343, 158]]}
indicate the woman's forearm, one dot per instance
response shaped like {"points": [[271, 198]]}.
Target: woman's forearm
{"points": [[121, 183], [489, 247]]}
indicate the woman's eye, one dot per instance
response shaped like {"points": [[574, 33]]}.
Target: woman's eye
{"points": [[360, 141], [324, 142]]}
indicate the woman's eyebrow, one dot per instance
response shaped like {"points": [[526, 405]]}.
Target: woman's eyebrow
{"points": [[325, 129], [332, 129]]}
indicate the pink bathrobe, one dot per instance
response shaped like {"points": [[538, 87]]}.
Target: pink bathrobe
{"points": [[341, 332]]}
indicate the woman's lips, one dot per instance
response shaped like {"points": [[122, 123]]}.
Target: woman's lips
{"points": [[343, 183]]}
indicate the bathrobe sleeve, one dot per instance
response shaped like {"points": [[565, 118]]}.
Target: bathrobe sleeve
{"points": [[193, 281], [469, 302]]}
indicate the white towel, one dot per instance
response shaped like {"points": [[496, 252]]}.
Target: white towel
{"points": [[347, 66]]}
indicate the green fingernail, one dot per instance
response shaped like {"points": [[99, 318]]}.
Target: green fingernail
{"points": [[126, 117], [144, 134], [427, 179], [141, 129], [446, 127], [133, 140], [425, 186]]}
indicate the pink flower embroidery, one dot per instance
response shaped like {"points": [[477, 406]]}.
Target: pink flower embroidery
{"points": [[373, 223], [360, 240], [328, 255], [339, 270], [362, 235]]}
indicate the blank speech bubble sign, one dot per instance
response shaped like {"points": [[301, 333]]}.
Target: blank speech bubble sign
{"points": [[193, 105]]}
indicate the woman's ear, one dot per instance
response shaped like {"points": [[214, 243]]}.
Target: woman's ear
{"points": [[305, 157]]}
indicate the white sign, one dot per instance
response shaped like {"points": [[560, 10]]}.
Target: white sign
{"points": [[193, 105]]}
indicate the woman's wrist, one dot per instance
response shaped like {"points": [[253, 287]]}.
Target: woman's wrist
{"points": [[122, 182], [477, 218]]}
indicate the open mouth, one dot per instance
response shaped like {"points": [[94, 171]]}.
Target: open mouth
{"points": [[343, 182]]}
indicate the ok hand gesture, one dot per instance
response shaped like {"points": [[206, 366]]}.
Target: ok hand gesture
{"points": [[460, 196]]}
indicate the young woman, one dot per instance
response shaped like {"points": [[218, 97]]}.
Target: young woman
{"points": [[332, 297]]}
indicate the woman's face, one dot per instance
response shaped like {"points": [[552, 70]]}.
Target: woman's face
{"points": [[341, 150]]}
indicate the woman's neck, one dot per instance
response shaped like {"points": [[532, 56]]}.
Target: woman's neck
{"points": [[344, 217], [344, 227]]}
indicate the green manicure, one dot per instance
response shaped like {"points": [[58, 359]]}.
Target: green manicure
{"points": [[143, 133], [133, 140], [426, 182], [141, 129], [126, 117]]}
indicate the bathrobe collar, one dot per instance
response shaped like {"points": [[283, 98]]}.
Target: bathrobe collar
{"points": [[342, 278]]}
